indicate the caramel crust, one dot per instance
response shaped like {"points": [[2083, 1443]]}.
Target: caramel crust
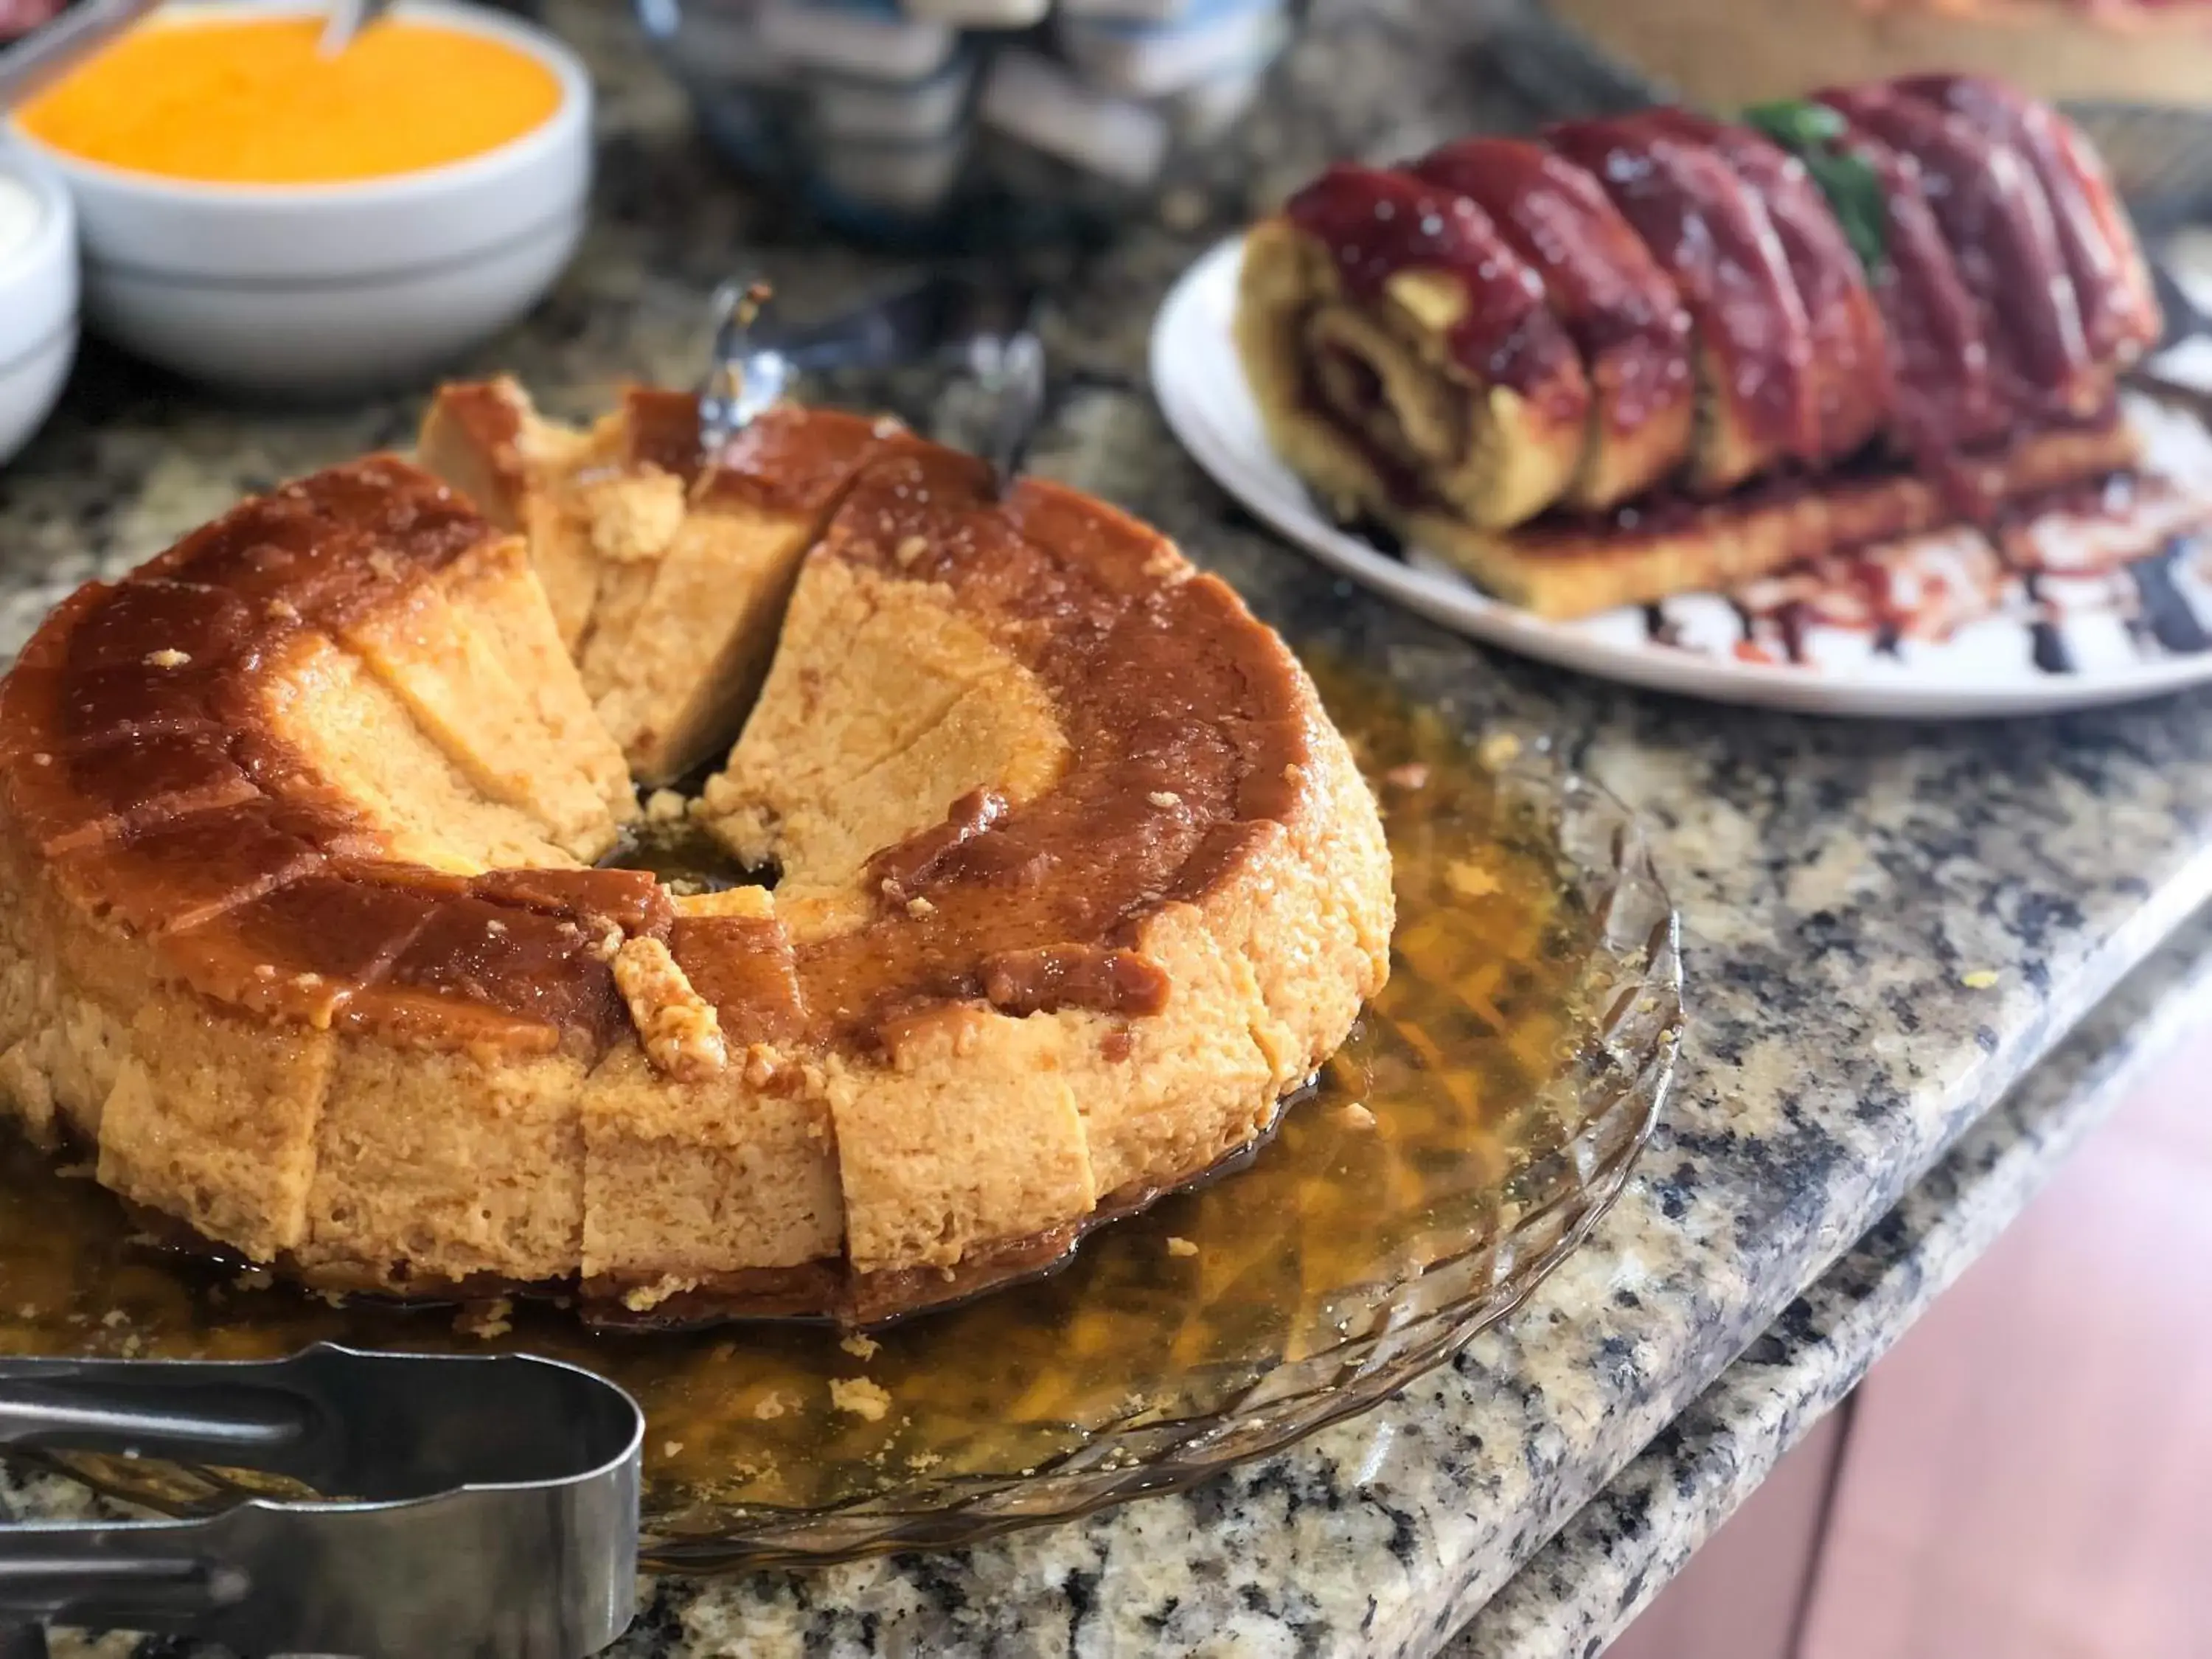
{"points": [[132, 765], [165, 817], [1167, 692], [235, 934]]}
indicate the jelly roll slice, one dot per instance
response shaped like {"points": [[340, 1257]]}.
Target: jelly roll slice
{"points": [[1404, 354], [1619, 308], [1753, 351]]}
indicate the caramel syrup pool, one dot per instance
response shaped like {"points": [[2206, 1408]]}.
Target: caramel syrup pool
{"points": [[1432, 1124]]}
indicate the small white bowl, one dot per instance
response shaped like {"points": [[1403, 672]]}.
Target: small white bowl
{"points": [[320, 290], [38, 307]]}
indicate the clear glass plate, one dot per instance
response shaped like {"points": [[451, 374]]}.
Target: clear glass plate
{"points": [[1481, 1119]]}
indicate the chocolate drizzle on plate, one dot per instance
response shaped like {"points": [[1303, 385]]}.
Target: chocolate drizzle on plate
{"points": [[2047, 641], [2165, 612]]}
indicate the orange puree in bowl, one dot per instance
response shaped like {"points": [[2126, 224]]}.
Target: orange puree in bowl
{"points": [[249, 102]]}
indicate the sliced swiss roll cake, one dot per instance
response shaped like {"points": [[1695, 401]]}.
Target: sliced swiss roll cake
{"points": [[1753, 347], [1925, 282], [1402, 348], [1619, 308], [2120, 317], [1942, 396], [1849, 366], [1997, 219]]}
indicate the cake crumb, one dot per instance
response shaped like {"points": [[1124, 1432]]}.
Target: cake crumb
{"points": [[910, 550], [770, 1408], [42, 758], [634, 517], [1469, 880], [486, 1320], [860, 1396], [680, 1031], [859, 1347], [1183, 208], [1357, 1114], [1294, 773], [919, 907], [282, 611], [887, 426], [670, 1448], [644, 1298], [253, 1279], [382, 564], [746, 903], [168, 657], [1164, 798], [1498, 751], [113, 1317], [1981, 979], [1413, 774], [1181, 1247], [663, 806]]}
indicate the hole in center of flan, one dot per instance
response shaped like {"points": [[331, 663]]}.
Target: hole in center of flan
{"points": [[670, 842]]}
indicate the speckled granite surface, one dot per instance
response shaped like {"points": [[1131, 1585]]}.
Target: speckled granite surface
{"points": [[1607, 1563], [1838, 883]]}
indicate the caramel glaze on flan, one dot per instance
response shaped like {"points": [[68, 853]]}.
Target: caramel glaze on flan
{"points": [[1076, 879]]}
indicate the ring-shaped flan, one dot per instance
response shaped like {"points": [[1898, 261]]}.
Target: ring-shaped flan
{"points": [[301, 928]]}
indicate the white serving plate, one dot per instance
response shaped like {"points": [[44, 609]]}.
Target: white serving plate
{"points": [[1980, 644]]}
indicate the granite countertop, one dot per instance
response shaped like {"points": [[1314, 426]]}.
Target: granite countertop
{"points": [[1845, 888]]}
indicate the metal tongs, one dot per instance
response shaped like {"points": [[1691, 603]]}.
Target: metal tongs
{"points": [[481, 1504], [983, 325]]}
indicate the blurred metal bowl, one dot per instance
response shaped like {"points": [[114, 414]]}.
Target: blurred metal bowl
{"points": [[971, 138]]}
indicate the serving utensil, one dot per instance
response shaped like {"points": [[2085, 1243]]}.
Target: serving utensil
{"points": [[981, 325], [50, 51], [481, 1504], [346, 19]]}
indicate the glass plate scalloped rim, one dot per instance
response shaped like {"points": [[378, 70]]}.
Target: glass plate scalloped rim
{"points": [[1392, 1333], [1387, 1331], [1985, 669]]}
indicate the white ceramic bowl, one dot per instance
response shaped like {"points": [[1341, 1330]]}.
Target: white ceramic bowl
{"points": [[325, 289], [38, 307]]}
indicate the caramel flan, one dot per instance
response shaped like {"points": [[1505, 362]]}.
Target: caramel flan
{"points": [[1073, 880]]}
